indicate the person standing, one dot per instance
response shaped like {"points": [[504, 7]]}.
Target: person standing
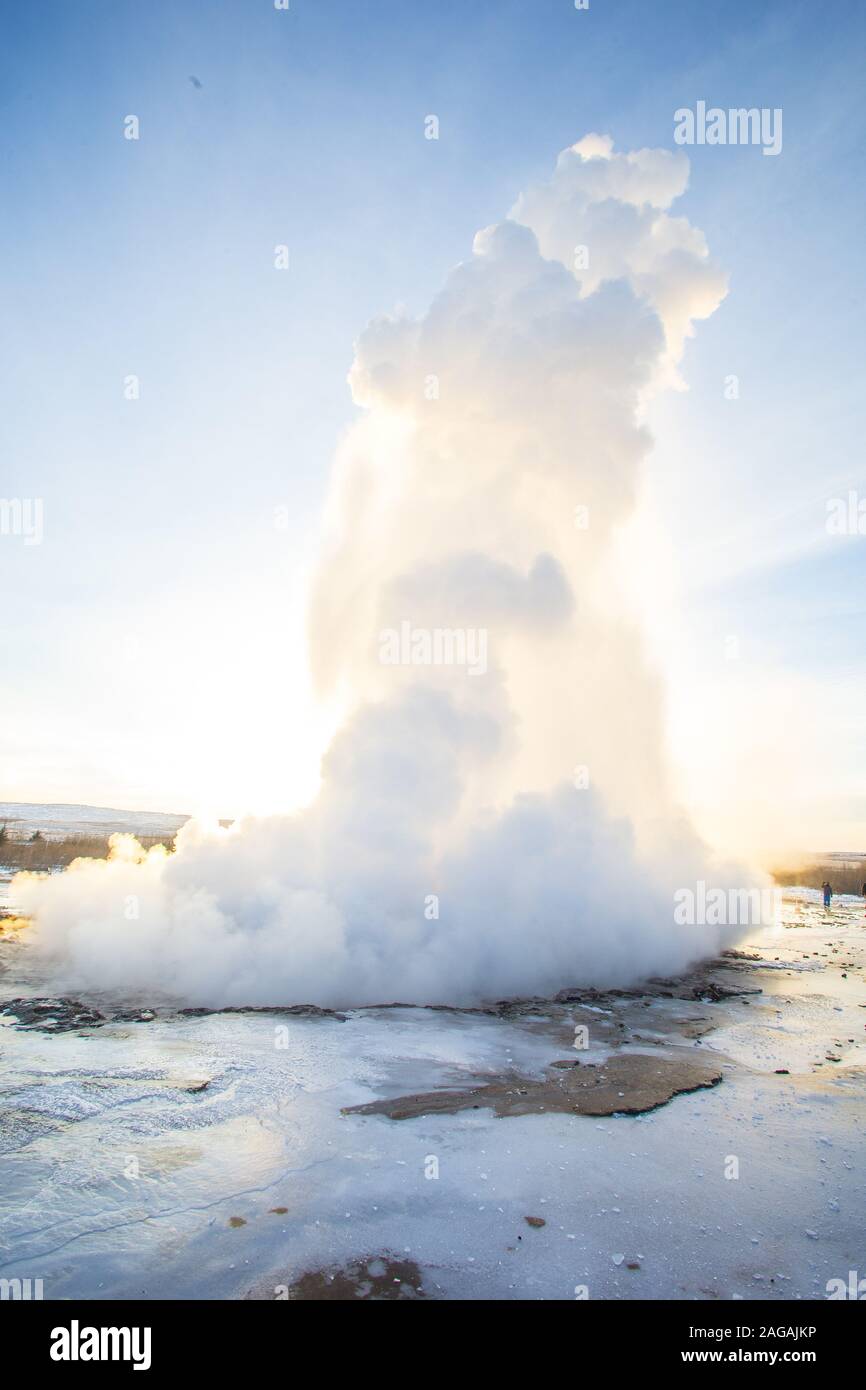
{"points": [[828, 895]]}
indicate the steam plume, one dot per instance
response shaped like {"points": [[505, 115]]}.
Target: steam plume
{"points": [[453, 852]]}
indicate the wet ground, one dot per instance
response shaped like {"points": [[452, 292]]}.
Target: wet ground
{"points": [[693, 1138]]}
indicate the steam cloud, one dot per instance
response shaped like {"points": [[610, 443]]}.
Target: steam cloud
{"points": [[514, 404]]}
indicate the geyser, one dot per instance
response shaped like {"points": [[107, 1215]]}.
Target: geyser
{"points": [[514, 405]]}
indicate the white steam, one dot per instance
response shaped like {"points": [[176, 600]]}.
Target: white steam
{"points": [[500, 449]]}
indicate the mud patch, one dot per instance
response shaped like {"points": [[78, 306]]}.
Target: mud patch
{"points": [[377, 1279], [626, 1084], [60, 1015], [293, 1010], [51, 1015]]}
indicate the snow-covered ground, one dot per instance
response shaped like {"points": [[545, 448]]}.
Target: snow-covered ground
{"points": [[62, 820], [122, 1176]]}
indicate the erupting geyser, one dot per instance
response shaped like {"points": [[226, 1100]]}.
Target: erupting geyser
{"points": [[452, 853]]}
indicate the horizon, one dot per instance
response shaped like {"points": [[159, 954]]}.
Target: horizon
{"points": [[226, 821]]}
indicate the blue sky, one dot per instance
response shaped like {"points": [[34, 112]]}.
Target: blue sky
{"points": [[155, 258]]}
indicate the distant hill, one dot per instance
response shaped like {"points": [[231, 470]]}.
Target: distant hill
{"points": [[59, 820]]}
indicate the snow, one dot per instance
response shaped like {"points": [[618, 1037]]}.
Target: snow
{"points": [[63, 820], [120, 1180]]}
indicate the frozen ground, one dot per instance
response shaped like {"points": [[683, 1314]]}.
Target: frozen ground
{"points": [[123, 1175], [61, 820]]}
